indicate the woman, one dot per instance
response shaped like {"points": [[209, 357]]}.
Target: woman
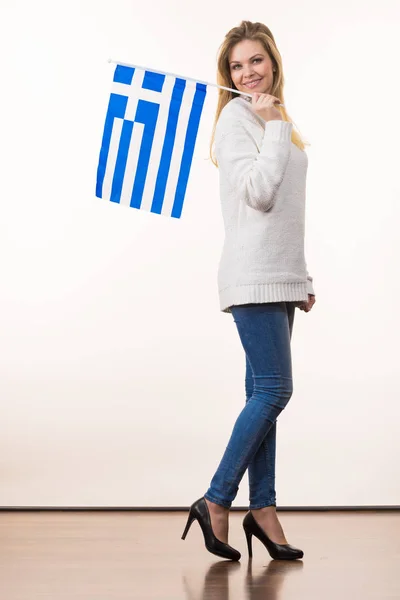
{"points": [[262, 277]]}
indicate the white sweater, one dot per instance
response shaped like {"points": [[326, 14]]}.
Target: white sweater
{"points": [[262, 189]]}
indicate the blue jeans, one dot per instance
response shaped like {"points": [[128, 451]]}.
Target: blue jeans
{"points": [[265, 331]]}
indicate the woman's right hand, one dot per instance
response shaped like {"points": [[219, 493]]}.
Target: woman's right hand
{"points": [[263, 106]]}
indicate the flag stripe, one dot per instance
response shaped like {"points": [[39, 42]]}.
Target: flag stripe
{"points": [[112, 157], [147, 113], [170, 134], [158, 144], [116, 108], [178, 149], [131, 163], [191, 135], [120, 164]]}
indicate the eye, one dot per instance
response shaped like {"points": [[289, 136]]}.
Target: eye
{"points": [[254, 60]]}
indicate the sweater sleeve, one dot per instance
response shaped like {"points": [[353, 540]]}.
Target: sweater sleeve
{"points": [[310, 287], [255, 174]]}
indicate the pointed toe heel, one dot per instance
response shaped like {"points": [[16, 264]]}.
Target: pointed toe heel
{"points": [[199, 511], [276, 551]]}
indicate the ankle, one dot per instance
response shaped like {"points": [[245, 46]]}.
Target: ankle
{"points": [[265, 510], [216, 508]]}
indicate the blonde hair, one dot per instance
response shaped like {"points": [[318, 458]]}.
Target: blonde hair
{"points": [[257, 32]]}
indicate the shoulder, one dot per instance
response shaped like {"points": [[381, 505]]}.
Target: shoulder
{"points": [[237, 114]]}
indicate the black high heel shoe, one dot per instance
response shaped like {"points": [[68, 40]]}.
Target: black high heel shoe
{"points": [[276, 551], [199, 511]]}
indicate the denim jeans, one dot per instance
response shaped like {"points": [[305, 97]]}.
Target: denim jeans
{"points": [[265, 331]]}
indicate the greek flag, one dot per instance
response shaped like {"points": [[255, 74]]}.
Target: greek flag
{"points": [[148, 140]]}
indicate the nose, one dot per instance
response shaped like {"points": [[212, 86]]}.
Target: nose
{"points": [[247, 72]]}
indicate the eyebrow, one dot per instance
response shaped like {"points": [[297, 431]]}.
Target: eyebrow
{"points": [[238, 61]]}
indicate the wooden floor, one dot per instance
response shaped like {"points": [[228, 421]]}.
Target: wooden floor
{"points": [[129, 555]]}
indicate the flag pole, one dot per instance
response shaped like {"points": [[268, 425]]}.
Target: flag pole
{"points": [[124, 64]]}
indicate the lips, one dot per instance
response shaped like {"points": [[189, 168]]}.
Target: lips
{"points": [[252, 83]]}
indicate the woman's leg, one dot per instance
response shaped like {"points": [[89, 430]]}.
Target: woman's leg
{"points": [[261, 469], [265, 336]]}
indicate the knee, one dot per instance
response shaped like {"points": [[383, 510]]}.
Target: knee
{"points": [[274, 391]]}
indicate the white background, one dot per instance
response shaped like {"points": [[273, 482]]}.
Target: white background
{"points": [[120, 379]]}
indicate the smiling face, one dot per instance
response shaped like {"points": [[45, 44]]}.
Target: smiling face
{"points": [[251, 67]]}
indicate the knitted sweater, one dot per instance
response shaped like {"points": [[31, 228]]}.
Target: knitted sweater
{"points": [[262, 190]]}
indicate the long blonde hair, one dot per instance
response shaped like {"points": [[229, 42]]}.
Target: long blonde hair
{"points": [[258, 32]]}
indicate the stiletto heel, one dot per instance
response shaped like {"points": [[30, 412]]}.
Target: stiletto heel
{"points": [[190, 520], [276, 551], [199, 511], [249, 546]]}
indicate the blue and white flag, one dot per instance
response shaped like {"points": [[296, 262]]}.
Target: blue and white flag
{"points": [[148, 140]]}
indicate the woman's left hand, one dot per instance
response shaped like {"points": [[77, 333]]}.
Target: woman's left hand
{"points": [[307, 306]]}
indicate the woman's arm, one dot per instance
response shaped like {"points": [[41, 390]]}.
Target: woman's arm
{"points": [[255, 174]]}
